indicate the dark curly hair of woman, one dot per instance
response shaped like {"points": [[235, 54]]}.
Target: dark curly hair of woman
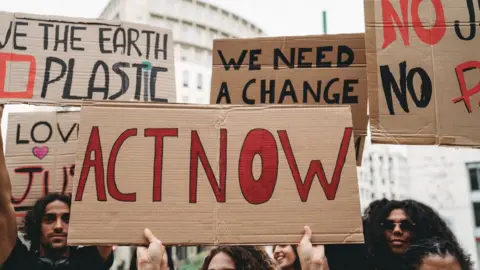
{"points": [[414, 256], [428, 224], [244, 257], [33, 219]]}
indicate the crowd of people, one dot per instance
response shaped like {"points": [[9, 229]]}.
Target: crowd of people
{"points": [[399, 235], [403, 235]]}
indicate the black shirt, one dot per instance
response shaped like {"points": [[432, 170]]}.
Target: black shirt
{"points": [[81, 258]]}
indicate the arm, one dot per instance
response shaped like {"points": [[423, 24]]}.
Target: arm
{"points": [[8, 223]]}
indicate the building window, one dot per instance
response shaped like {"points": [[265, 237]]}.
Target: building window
{"points": [[476, 209], [185, 78], [199, 81], [474, 174]]}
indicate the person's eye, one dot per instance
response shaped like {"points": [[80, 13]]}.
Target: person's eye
{"points": [[49, 218], [66, 218]]}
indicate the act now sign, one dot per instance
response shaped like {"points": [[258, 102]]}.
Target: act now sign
{"points": [[215, 174]]}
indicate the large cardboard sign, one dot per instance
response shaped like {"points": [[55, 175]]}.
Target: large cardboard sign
{"points": [[48, 59], [327, 70], [40, 155], [215, 175], [424, 69]]}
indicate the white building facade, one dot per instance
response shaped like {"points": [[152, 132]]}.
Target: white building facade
{"points": [[384, 173], [195, 24]]}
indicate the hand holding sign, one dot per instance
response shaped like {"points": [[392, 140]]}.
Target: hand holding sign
{"points": [[311, 257], [154, 257]]}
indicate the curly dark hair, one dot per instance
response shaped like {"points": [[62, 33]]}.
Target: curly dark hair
{"points": [[418, 251], [296, 264], [33, 219], [428, 224], [244, 257]]}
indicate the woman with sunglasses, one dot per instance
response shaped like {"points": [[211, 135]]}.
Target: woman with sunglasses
{"points": [[390, 228]]}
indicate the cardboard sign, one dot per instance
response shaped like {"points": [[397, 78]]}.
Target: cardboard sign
{"points": [[47, 59], [327, 70], [40, 155], [203, 175], [424, 70]]}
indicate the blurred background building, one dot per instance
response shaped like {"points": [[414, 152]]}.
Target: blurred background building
{"points": [[195, 24]]}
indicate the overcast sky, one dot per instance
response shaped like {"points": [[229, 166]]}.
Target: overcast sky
{"points": [[275, 17]]}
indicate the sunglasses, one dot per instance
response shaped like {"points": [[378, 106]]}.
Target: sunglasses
{"points": [[405, 225]]}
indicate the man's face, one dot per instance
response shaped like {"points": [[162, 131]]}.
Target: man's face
{"points": [[398, 231], [55, 225]]}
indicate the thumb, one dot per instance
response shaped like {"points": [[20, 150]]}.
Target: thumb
{"points": [[308, 234], [150, 237]]}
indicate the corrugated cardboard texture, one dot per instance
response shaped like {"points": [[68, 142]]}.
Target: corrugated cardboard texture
{"points": [[442, 48], [291, 63], [40, 155], [48, 59], [314, 133]]}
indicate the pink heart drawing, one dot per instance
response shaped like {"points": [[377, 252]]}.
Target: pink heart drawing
{"points": [[40, 152]]}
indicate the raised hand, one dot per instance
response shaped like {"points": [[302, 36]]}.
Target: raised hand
{"points": [[311, 257], [154, 257]]}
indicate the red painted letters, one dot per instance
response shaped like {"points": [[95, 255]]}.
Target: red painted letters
{"points": [[13, 57], [466, 93], [159, 133], [431, 35], [198, 152], [111, 184], [261, 142], [255, 191], [316, 167], [93, 146]]}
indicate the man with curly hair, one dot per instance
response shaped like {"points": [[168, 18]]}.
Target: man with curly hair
{"points": [[47, 229], [390, 228]]}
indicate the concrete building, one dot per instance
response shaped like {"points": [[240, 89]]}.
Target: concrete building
{"points": [[195, 24], [384, 173]]}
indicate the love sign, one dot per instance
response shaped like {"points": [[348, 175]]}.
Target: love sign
{"points": [[40, 155]]}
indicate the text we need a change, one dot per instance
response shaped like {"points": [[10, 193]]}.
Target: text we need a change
{"points": [[66, 60]]}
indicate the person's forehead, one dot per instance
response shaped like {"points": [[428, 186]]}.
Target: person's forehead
{"points": [[221, 261], [57, 207], [397, 214], [436, 262]]}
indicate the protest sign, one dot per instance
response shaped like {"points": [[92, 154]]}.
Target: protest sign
{"points": [[48, 59], [40, 155], [327, 70], [203, 175], [423, 71]]}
